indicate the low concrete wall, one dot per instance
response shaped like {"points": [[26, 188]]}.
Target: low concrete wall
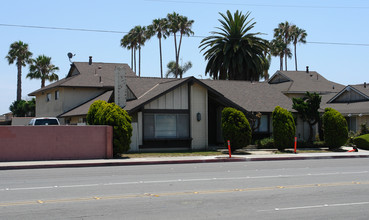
{"points": [[20, 143]]}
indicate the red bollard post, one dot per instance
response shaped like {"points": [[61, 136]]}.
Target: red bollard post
{"points": [[229, 149], [295, 144]]}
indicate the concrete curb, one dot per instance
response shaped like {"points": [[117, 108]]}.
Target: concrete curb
{"points": [[173, 161]]}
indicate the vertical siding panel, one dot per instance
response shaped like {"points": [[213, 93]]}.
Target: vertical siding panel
{"points": [[177, 98], [161, 102], [169, 100], [184, 100]]}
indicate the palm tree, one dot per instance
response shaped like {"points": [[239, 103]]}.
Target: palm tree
{"points": [[278, 47], [140, 35], [41, 68], [128, 42], [298, 35], [176, 71], [160, 28], [284, 31], [19, 54], [233, 52], [181, 24]]}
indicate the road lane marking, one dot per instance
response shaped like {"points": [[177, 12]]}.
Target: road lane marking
{"points": [[195, 193], [315, 206], [181, 180]]}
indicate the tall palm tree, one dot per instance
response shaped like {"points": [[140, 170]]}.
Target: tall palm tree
{"points": [[19, 54], [128, 42], [233, 52], [41, 68], [185, 26], [140, 34], [284, 31], [176, 71], [298, 35], [278, 47], [160, 28], [178, 23]]}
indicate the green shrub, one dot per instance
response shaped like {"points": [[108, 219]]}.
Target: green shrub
{"points": [[364, 129], [362, 142], [284, 128], [92, 112], [266, 143], [103, 113], [235, 128], [335, 128]]}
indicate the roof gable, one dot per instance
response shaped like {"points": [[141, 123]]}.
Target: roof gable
{"points": [[349, 95], [278, 77]]}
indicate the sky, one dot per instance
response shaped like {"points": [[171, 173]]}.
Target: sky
{"points": [[337, 42]]}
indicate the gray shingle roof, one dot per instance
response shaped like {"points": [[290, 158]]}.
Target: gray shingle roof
{"points": [[97, 75], [362, 89], [252, 96], [300, 82]]}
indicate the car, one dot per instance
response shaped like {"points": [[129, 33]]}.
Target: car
{"points": [[44, 121]]}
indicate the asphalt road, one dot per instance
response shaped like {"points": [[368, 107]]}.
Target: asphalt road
{"points": [[307, 189]]}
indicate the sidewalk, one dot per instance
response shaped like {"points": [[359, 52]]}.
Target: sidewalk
{"points": [[256, 156]]}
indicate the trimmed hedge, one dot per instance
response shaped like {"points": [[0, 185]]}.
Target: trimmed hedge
{"points": [[284, 128], [235, 128], [362, 142], [103, 113], [335, 128]]}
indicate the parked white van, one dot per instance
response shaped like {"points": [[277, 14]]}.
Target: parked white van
{"points": [[44, 121]]}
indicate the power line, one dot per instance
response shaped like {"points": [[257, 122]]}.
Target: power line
{"points": [[261, 5], [63, 28], [125, 32]]}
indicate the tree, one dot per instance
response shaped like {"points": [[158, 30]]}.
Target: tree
{"points": [[178, 23], [235, 128], [335, 128], [23, 108], [130, 43], [41, 68], [298, 35], [278, 47], [233, 52], [140, 35], [283, 31], [19, 54], [103, 113], [160, 28], [177, 71], [284, 128], [307, 107]]}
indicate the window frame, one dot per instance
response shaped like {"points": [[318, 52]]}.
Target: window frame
{"points": [[159, 113], [48, 97], [57, 95]]}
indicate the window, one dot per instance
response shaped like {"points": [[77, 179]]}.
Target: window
{"points": [[351, 123], [48, 97], [56, 94], [263, 124], [166, 126]]}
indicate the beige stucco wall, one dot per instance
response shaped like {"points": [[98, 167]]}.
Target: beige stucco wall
{"points": [[68, 99], [362, 120], [199, 129]]}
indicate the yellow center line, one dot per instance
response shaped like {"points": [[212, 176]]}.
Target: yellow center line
{"points": [[204, 192]]}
